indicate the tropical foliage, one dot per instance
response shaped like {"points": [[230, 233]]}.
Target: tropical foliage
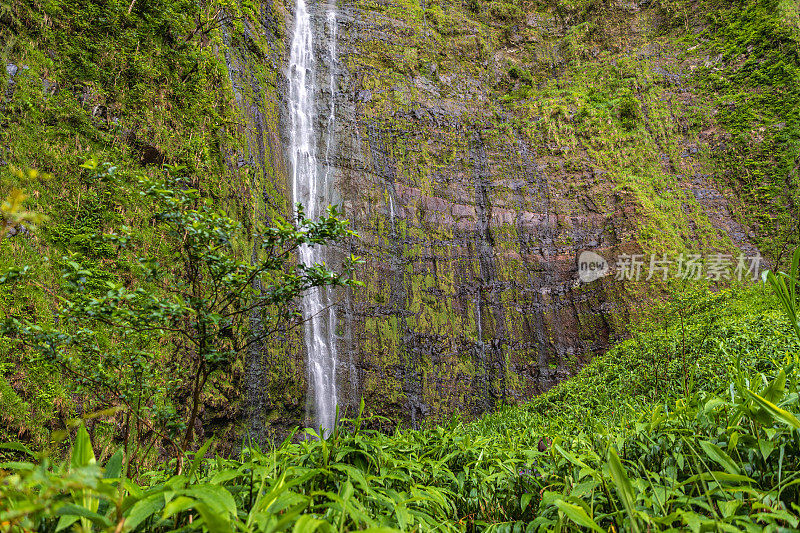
{"points": [[722, 457], [106, 332]]}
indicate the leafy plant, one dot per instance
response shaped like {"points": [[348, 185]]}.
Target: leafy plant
{"points": [[104, 331], [724, 456], [786, 285], [12, 212]]}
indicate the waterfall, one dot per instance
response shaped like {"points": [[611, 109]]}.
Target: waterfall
{"points": [[312, 190], [391, 212]]}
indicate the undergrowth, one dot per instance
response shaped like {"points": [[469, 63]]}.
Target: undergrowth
{"points": [[690, 426]]}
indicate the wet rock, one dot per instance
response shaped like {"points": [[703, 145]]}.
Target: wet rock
{"points": [[471, 228], [149, 155], [84, 94]]}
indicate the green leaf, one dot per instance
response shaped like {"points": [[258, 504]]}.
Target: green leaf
{"points": [[717, 454], [288, 516], [570, 457], [774, 410], [144, 509], [692, 520], [766, 447], [307, 523], [713, 404], [525, 500], [178, 505], [775, 390], [718, 477], [214, 522], [82, 452], [65, 521], [198, 458], [623, 486], [577, 515], [403, 516], [114, 466], [734, 439], [17, 447], [775, 514], [217, 498], [17, 465], [787, 295], [83, 456], [70, 511], [727, 508]]}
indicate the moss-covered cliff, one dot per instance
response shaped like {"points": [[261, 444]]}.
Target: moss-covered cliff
{"points": [[137, 84], [485, 145], [480, 147]]}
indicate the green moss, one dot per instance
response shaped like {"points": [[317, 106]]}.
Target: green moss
{"points": [[505, 12], [756, 83], [137, 84]]}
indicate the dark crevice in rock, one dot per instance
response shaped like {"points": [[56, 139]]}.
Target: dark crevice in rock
{"points": [[490, 384]]}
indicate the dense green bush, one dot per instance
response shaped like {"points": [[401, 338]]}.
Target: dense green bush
{"points": [[705, 461], [139, 83]]}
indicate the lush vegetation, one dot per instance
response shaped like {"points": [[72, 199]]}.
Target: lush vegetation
{"points": [[103, 331], [690, 426], [755, 79], [139, 83], [129, 313]]}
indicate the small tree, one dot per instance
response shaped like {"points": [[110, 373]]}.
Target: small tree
{"points": [[104, 339]]}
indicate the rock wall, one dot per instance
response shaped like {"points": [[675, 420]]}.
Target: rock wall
{"points": [[480, 148]]}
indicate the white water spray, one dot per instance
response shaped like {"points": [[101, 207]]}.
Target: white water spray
{"points": [[317, 305], [391, 208]]}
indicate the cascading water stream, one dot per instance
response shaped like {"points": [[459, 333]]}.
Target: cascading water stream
{"points": [[312, 190]]}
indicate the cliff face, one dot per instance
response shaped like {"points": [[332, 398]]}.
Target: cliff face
{"points": [[481, 147], [134, 85]]}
